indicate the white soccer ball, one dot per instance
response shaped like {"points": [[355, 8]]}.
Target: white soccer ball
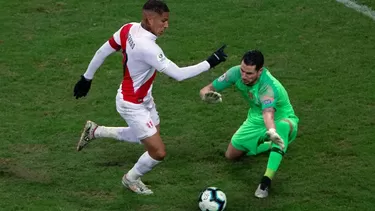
{"points": [[212, 199]]}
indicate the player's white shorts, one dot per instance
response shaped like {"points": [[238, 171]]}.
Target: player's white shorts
{"points": [[142, 118]]}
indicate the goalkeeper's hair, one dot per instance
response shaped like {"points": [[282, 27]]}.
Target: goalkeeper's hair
{"points": [[254, 57], [157, 6]]}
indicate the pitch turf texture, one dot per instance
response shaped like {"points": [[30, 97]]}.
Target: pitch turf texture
{"points": [[322, 52]]}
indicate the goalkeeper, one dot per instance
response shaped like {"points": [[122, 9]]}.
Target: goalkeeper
{"points": [[271, 124]]}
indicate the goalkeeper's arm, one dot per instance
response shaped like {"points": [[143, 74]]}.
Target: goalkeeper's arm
{"points": [[269, 121], [209, 94]]}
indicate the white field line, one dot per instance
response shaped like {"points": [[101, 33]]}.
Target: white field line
{"points": [[359, 8]]}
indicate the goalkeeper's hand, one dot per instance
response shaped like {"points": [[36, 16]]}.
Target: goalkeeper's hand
{"points": [[275, 138], [212, 97], [82, 87]]}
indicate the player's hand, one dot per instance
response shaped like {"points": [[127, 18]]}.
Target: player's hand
{"points": [[212, 97], [275, 138], [217, 57], [82, 87]]}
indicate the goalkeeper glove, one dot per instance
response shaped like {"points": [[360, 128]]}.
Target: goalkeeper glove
{"points": [[275, 138], [212, 97], [82, 87], [217, 57]]}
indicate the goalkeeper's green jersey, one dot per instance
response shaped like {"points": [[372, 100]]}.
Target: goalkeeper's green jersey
{"points": [[265, 93]]}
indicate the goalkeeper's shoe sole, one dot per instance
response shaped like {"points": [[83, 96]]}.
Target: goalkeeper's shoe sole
{"points": [[87, 135], [137, 186]]}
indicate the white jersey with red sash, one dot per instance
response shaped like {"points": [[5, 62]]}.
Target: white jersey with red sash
{"points": [[142, 57]]}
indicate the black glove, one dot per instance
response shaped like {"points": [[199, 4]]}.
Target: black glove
{"points": [[82, 87], [217, 57]]}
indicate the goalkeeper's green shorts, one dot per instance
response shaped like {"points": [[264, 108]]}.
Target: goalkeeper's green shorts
{"points": [[249, 136]]}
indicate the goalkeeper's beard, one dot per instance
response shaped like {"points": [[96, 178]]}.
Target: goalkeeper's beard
{"points": [[249, 82]]}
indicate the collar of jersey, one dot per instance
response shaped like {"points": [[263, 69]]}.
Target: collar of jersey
{"points": [[147, 33]]}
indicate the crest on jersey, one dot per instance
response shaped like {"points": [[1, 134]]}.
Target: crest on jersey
{"points": [[251, 95]]}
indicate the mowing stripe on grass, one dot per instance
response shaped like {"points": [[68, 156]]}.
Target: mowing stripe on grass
{"points": [[359, 8]]}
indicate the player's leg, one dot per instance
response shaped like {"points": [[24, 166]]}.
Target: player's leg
{"points": [[233, 153], [264, 143], [249, 139], [235, 148], [92, 130], [155, 149], [264, 147], [287, 129], [153, 156]]}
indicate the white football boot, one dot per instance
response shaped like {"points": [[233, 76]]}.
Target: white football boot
{"points": [[136, 186], [263, 188], [87, 135], [260, 193]]}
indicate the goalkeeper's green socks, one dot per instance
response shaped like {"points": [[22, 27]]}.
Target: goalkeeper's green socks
{"points": [[274, 161], [277, 154], [273, 164]]}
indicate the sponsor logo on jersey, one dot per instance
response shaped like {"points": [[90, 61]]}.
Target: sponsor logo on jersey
{"points": [[267, 100]]}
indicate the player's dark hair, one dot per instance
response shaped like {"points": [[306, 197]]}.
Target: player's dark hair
{"points": [[157, 6], [254, 57]]}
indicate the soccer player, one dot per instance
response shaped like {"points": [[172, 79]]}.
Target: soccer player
{"points": [[271, 123], [142, 59]]}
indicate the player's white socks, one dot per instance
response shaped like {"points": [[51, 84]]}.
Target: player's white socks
{"points": [[144, 164], [118, 133]]}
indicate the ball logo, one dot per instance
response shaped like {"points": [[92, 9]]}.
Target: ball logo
{"points": [[205, 196]]}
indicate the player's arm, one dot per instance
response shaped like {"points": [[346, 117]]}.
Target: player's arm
{"points": [[210, 93], [82, 87], [269, 118], [156, 58], [100, 55], [109, 47], [268, 98], [206, 89]]}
